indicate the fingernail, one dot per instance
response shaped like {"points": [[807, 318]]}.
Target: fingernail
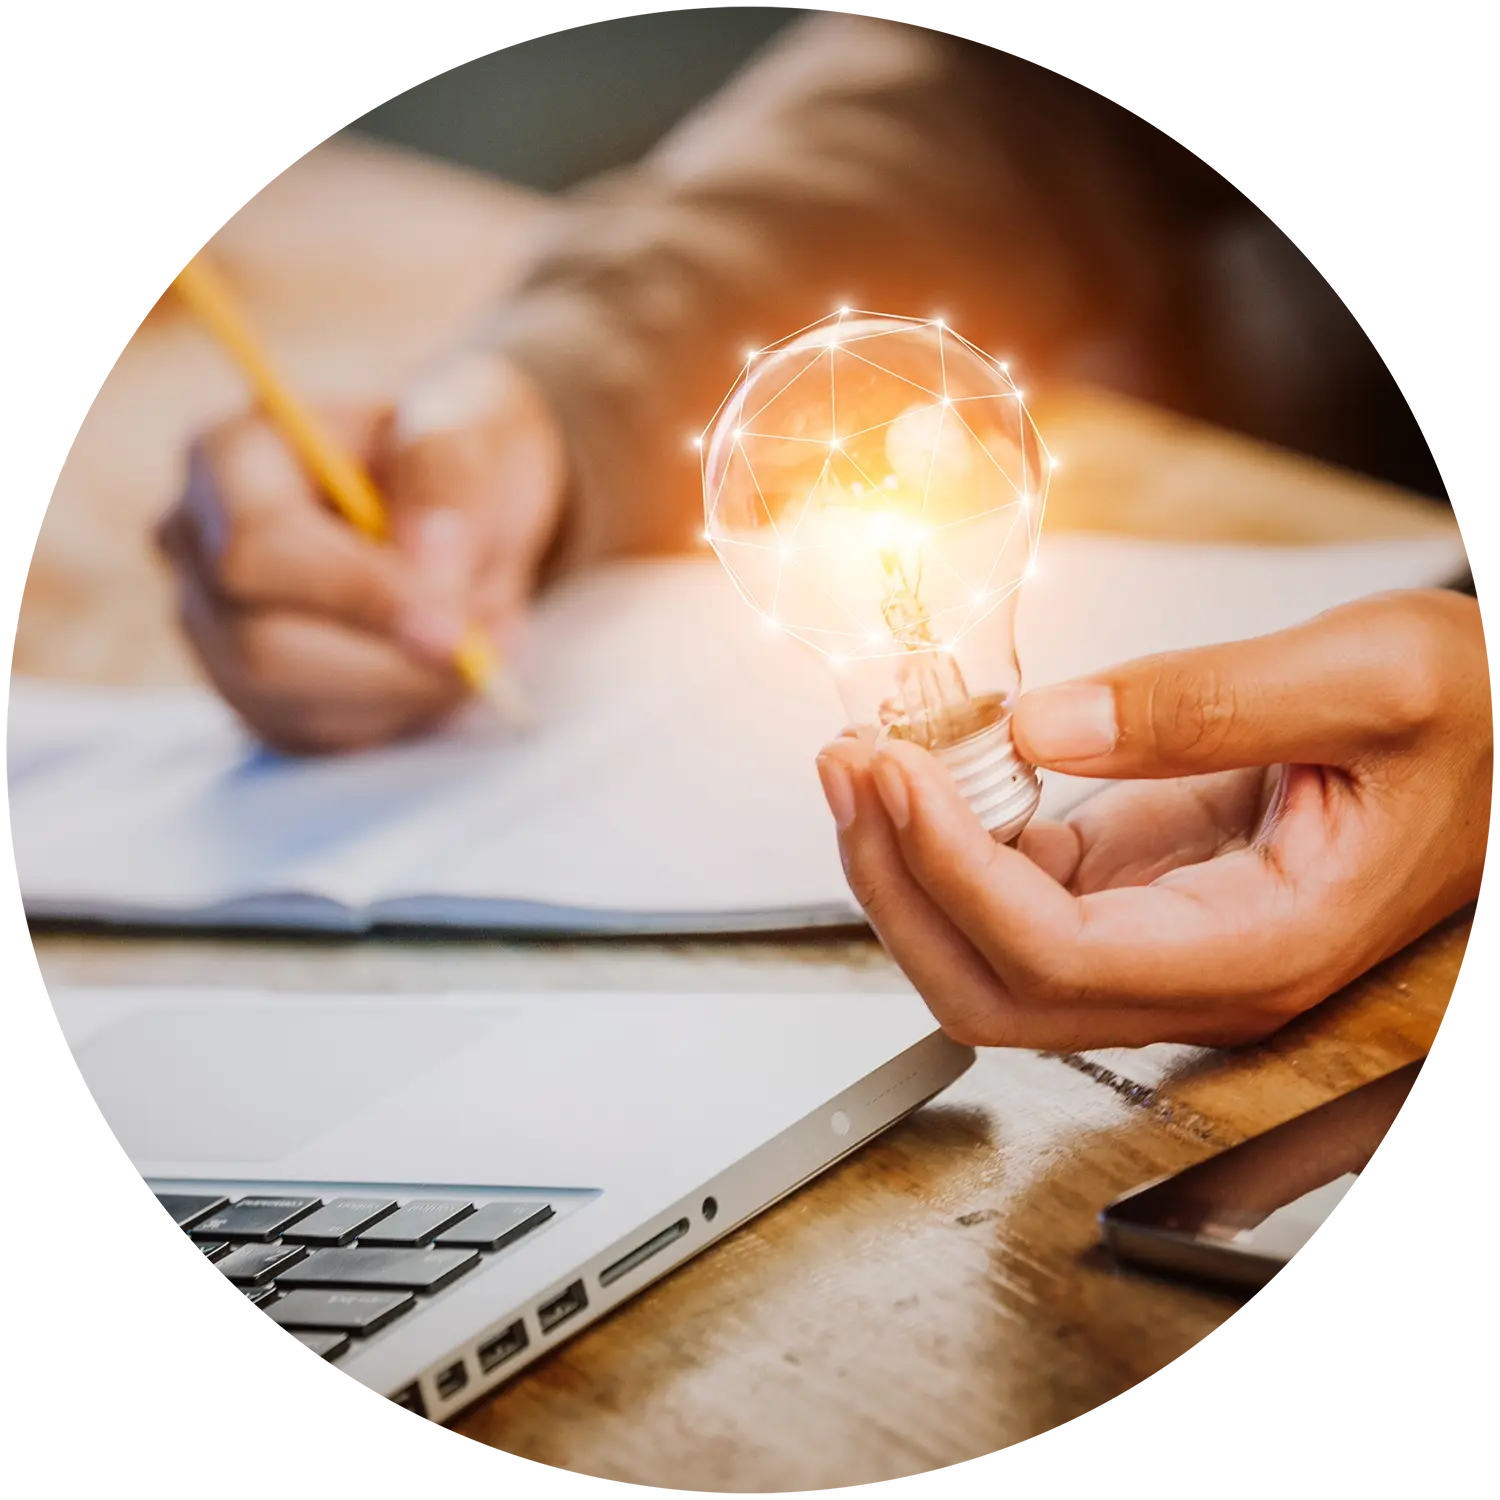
{"points": [[432, 631], [838, 788], [890, 782], [1074, 722]]}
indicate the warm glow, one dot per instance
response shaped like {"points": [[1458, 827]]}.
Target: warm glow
{"points": [[875, 486]]}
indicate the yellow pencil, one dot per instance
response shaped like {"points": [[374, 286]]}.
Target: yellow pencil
{"points": [[338, 474]]}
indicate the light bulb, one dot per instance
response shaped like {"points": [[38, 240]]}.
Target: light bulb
{"points": [[875, 487]]}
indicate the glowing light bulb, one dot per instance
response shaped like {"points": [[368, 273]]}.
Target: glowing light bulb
{"points": [[897, 550]]}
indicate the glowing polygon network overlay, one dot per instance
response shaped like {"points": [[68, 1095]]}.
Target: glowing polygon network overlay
{"points": [[874, 485]]}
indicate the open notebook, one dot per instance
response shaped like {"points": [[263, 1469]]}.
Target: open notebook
{"points": [[670, 786]]}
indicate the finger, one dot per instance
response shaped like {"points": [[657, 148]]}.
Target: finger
{"points": [[1161, 945], [473, 437], [963, 993], [960, 989], [439, 549], [309, 685], [252, 526], [1137, 831], [1013, 911], [1329, 692], [1056, 848], [256, 470]]}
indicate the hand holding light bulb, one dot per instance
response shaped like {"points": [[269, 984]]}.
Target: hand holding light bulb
{"points": [[1304, 805]]}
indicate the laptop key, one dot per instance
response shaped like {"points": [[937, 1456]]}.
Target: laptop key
{"points": [[254, 1265], [188, 1208], [338, 1222], [257, 1218], [496, 1225], [214, 1249], [309, 1309], [408, 1270], [329, 1345], [260, 1295], [417, 1222]]}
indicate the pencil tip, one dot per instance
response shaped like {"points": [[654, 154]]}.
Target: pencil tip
{"points": [[502, 692]]}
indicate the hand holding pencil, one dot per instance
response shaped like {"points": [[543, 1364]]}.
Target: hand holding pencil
{"points": [[346, 575]]}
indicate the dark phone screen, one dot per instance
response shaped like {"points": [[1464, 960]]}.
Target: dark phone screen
{"points": [[1395, 1173]]}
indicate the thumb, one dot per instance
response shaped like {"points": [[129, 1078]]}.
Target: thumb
{"points": [[472, 478], [1328, 692]]}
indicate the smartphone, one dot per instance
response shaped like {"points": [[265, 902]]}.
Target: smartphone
{"points": [[1388, 1191]]}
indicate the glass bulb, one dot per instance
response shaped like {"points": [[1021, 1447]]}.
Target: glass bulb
{"points": [[875, 486]]}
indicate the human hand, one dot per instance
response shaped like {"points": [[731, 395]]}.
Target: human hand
{"points": [[324, 639], [1305, 804]]}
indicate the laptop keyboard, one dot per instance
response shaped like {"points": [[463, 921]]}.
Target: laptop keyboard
{"points": [[332, 1271]]}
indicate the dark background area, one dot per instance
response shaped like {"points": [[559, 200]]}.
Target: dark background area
{"points": [[1370, 135], [550, 112]]}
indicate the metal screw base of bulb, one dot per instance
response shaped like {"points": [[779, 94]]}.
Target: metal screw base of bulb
{"points": [[1001, 789]]}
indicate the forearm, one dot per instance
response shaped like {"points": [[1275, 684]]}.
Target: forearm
{"points": [[862, 162]]}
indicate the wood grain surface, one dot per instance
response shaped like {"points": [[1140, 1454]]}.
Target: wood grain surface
{"points": [[938, 1295]]}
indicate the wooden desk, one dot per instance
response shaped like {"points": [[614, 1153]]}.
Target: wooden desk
{"points": [[936, 1296]]}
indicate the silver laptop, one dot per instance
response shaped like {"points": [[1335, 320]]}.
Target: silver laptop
{"points": [[432, 1191]]}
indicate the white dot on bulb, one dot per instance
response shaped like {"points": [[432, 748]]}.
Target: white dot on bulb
{"points": [[1017, 392], [843, 312], [941, 322], [1054, 463], [833, 443], [1005, 366], [738, 431], [890, 482], [876, 638], [751, 354], [839, 661], [980, 597], [947, 401], [697, 442]]}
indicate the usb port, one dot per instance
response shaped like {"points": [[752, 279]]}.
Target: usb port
{"points": [[562, 1307], [502, 1347], [452, 1380], [411, 1399]]}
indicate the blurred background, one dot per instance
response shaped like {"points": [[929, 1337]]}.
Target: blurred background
{"points": [[1368, 134]]}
